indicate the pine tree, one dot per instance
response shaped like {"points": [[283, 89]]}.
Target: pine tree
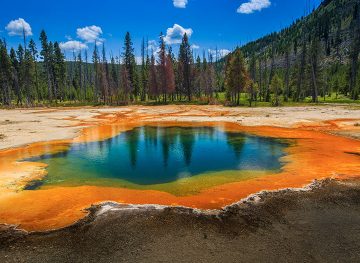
{"points": [[144, 71], [276, 88], [34, 53], [46, 57], [5, 74], [185, 62], [130, 64], [153, 83], [15, 72], [59, 72], [199, 82], [104, 77], [162, 84], [125, 84], [169, 75], [237, 78], [80, 76], [252, 90], [114, 79], [29, 78], [208, 78], [96, 61], [21, 72]]}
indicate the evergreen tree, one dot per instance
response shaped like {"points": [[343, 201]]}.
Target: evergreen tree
{"points": [[46, 57], [199, 84], [185, 66], [59, 69], [130, 65], [237, 78], [169, 76], [96, 66], [276, 88], [153, 83], [5, 74], [144, 71], [15, 72], [162, 84], [34, 54]]}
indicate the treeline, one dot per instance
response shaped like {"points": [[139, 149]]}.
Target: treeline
{"points": [[317, 56], [30, 77]]}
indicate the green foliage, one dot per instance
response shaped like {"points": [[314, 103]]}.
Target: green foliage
{"points": [[236, 78], [316, 60], [276, 86]]}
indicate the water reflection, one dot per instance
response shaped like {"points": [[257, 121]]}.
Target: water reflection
{"points": [[155, 155]]}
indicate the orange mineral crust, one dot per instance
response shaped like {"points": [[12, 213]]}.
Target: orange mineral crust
{"points": [[313, 154]]}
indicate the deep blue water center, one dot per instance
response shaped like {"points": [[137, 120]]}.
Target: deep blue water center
{"points": [[155, 155]]}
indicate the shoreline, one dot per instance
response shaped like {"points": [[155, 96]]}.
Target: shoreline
{"points": [[22, 127], [103, 125], [108, 124]]}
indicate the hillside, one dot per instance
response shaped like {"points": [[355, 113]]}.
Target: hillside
{"points": [[331, 21], [315, 56]]}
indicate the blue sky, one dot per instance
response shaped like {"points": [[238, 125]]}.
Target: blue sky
{"points": [[224, 24]]}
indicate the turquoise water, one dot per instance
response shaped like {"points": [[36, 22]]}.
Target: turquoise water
{"points": [[157, 155]]}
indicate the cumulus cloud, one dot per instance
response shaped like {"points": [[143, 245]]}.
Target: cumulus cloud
{"points": [[73, 45], [195, 46], [253, 5], [18, 27], [220, 53], [138, 60], [180, 3], [152, 45], [174, 34], [90, 34]]}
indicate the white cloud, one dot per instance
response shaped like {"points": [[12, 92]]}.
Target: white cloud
{"points": [[18, 27], [253, 5], [90, 34], [195, 46], [73, 45], [138, 60], [220, 53], [152, 45], [174, 34], [180, 3]]}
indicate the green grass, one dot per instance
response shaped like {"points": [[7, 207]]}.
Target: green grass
{"points": [[220, 99]]}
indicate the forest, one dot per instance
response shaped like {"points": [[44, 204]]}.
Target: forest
{"points": [[315, 59]]}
